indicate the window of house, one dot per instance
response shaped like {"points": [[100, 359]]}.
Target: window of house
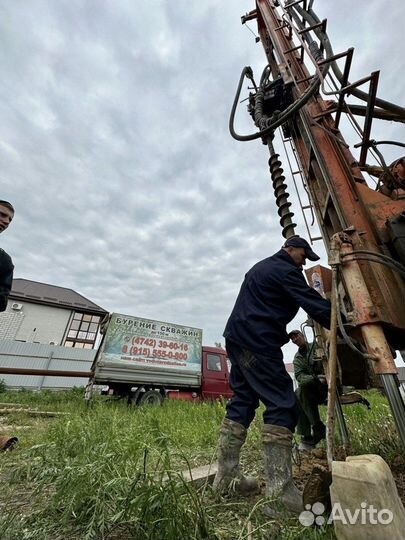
{"points": [[82, 331], [213, 362]]}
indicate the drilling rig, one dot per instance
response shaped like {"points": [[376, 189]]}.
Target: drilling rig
{"points": [[362, 224]]}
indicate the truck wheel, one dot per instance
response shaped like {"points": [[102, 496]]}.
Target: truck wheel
{"points": [[151, 397]]}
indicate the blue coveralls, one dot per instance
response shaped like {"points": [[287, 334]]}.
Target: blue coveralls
{"points": [[272, 293]]}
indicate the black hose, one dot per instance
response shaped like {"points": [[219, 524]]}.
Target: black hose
{"points": [[312, 19], [269, 124], [395, 143], [397, 267], [377, 254], [379, 259], [246, 72], [264, 79], [384, 165], [348, 339]]}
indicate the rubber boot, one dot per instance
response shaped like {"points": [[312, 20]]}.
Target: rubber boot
{"points": [[228, 477], [319, 431], [277, 441], [307, 444]]}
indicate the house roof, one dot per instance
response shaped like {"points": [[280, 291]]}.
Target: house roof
{"points": [[42, 293]]}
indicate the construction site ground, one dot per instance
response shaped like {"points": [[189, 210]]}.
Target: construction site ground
{"points": [[75, 467]]}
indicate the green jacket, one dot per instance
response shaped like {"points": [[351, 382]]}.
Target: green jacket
{"points": [[305, 370]]}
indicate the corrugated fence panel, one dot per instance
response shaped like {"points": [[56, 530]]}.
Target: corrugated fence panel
{"points": [[38, 356]]}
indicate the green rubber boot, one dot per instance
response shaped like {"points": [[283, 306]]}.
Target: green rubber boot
{"points": [[229, 477], [277, 441]]}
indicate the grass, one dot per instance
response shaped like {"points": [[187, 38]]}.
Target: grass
{"points": [[109, 472], [373, 430]]}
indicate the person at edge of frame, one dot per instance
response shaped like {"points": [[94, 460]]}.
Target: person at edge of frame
{"points": [[6, 264], [6, 281]]}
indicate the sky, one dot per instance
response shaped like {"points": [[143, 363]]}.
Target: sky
{"points": [[115, 149]]}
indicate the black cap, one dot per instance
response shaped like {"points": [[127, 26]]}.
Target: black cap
{"points": [[298, 242], [294, 333]]}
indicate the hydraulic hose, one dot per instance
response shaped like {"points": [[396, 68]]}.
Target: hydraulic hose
{"points": [[373, 256], [370, 256], [349, 341], [311, 18], [383, 163], [394, 143], [268, 124]]}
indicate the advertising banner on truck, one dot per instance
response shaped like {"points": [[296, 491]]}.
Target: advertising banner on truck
{"points": [[144, 342]]}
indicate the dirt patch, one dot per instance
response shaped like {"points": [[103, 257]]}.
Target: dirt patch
{"points": [[305, 462], [398, 470]]}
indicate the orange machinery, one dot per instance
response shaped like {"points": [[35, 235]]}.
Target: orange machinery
{"points": [[364, 225]]}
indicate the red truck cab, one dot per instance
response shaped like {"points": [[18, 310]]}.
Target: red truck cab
{"points": [[215, 374], [214, 378]]}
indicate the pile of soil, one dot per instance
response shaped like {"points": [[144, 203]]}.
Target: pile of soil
{"points": [[305, 462]]}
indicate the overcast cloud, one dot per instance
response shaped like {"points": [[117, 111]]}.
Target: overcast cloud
{"points": [[114, 146]]}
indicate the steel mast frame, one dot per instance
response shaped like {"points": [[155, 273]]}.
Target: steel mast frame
{"points": [[348, 212]]}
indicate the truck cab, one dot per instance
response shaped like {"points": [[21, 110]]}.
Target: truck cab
{"points": [[215, 374]]}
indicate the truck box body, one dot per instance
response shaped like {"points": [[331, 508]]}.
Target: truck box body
{"points": [[144, 355], [146, 351]]}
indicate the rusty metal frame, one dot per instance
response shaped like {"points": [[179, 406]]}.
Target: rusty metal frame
{"points": [[341, 197], [249, 16], [369, 117], [344, 202], [346, 71], [297, 2], [321, 24], [372, 95]]}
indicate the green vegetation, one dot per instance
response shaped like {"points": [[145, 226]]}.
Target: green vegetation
{"points": [[109, 472]]}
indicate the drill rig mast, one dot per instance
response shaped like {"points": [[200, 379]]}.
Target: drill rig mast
{"points": [[363, 229]]}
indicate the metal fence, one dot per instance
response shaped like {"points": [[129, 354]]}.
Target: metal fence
{"points": [[16, 354]]}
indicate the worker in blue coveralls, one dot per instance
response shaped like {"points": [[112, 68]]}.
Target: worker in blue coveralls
{"points": [[271, 294]]}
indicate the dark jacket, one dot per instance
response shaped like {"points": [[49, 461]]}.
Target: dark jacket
{"points": [[306, 369], [270, 297], [6, 278]]}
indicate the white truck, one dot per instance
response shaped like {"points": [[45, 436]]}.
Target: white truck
{"points": [[147, 360]]}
